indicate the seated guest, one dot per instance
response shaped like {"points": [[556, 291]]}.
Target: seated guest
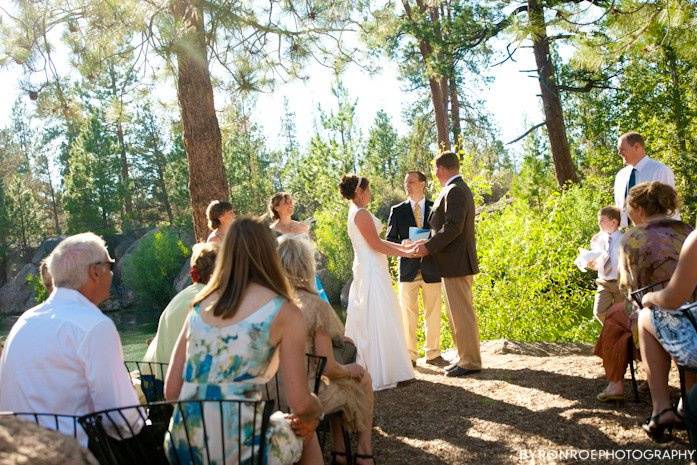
{"points": [[220, 216], [648, 255], [64, 356], [349, 387], [242, 325], [46, 279], [666, 333], [172, 319]]}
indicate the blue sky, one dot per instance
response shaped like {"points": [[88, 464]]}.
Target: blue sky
{"points": [[511, 98]]}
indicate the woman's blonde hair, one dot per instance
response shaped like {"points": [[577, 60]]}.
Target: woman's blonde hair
{"points": [[655, 198], [248, 255], [275, 201], [298, 261]]}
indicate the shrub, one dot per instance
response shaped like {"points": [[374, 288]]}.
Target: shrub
{"points": [[333, 241], [528, 288], [152, 267]]}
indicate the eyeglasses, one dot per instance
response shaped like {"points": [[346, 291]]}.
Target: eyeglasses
{"points": [[111, 264]]}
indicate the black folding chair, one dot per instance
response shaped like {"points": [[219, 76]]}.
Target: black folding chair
{"points": [[273, 390], [65, 424], [138, 434], [151, 376], [637, 297]]}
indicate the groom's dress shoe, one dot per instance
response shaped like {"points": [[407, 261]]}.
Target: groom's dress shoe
{"points": [[451, 367], [459, 372], [437, 361]]}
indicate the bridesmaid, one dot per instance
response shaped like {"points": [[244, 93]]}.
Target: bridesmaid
{"points": [[281, 209], [220, 216]]}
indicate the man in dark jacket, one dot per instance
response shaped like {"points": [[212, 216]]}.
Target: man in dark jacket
{"points": [[452, 247], [415, 275]]}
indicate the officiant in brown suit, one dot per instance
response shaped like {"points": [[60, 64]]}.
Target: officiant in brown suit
{"points": [[452, 247]]}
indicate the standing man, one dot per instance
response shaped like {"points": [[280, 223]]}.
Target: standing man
{"points": [[638, 168], [452, 247], [414, 273]]}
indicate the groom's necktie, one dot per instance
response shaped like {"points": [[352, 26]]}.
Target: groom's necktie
{"points": [[417, 215]]}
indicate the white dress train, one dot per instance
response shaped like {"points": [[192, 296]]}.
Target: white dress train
{"points": [[373, 318]]}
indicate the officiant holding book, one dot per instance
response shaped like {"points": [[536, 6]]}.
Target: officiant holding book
{"points": [[406, 223]]}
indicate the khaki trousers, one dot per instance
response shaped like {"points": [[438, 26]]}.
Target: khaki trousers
{"points": [[607, 294], [463, 321], [409, 302]]}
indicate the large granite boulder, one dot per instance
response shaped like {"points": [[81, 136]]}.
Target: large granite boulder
{"points": [[183, 279], [46, 248], [17, 295], [24, 442], [345, 293]]}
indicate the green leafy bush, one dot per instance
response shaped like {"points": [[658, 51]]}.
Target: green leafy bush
{"points": [[37, 287], [528, 288], [152, 267], [333, 241]]}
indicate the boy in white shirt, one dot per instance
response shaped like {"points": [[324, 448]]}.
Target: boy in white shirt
{"points": [[607, 243]]}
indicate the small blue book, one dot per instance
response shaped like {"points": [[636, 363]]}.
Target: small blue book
{"points": [[416, 234]]}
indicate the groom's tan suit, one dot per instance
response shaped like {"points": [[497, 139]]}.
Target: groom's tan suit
{"points": [[452, 247]]}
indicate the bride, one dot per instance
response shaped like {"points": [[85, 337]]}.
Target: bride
{"points": [[373, 320]]}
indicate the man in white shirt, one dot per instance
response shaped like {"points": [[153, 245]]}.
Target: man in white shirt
{"points": [[639, 168], [64, 356]]}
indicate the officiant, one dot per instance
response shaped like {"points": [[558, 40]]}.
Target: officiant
{"points": [[406, 222]]}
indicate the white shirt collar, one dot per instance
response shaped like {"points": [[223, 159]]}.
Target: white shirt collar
{"points": [[451, 179], [642, 163], [421, 203], [64, 294]]}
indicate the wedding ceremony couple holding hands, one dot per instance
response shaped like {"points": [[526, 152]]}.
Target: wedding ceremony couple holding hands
{"points": [[386, 347]]}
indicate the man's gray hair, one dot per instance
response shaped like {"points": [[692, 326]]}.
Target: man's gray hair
{"points": [[69, 262]]}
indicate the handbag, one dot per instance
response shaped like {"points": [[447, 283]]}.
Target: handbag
{"points": [[344, 351]]}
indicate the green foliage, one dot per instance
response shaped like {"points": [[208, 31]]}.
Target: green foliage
{"points": [[37, 287], [333, 241], [151, 268], [528, 288], [249, 165], [92, 189]]}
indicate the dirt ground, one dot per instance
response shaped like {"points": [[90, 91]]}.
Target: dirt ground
{"points": [[532, 404]]}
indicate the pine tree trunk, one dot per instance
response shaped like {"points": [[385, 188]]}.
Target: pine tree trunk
{"points": [[199, 122], [554, 115], [123, 158], [440, 113], [454, 110], [678, 106]]}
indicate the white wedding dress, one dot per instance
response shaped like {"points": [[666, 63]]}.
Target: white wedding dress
{"points": [[373, 319]]}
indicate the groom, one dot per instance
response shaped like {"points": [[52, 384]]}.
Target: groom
{"points": [[452, 248]]}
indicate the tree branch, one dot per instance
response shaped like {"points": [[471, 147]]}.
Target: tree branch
{"points": [[537, 126]]}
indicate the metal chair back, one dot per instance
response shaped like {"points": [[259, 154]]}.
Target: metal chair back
{"points": [[65, 424], [639, 294], [207, 425], [273, 390], [151, 376]]}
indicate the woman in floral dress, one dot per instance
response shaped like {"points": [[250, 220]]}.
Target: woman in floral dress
{"points": [[243, 326]]}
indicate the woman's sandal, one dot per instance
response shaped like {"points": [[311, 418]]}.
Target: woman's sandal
{"points": [[655, 430], [336, 454], [364, 457]]}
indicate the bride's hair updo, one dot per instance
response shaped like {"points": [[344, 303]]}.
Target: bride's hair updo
{"points": [[349, 183]]}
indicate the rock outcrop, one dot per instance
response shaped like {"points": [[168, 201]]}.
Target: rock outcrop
{"points": [[26, 442]]}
